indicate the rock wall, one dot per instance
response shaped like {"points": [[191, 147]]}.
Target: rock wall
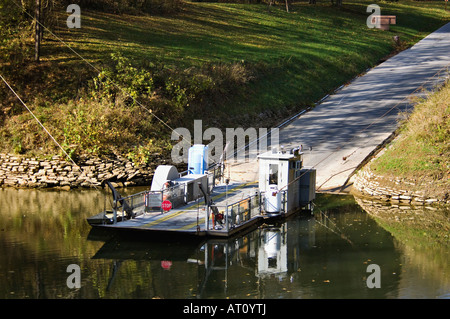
{"points": [[17, 171], [391, 189]]}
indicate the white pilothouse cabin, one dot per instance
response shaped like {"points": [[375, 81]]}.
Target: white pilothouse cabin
{"points": [[200, 202]]}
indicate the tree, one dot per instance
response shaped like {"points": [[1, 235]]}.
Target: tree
{"points": [[338, 3], [38, 34]]}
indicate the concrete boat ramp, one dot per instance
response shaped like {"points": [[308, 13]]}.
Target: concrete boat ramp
{"points": [[342, 131]]}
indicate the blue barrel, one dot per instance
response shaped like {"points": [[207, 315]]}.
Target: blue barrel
{"points": [[198, 159]]}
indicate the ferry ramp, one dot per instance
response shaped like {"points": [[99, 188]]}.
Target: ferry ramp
{"points": [[345, 128]]}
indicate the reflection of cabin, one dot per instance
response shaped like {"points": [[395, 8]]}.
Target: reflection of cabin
{"points": [[277, 170], [272, 253]]}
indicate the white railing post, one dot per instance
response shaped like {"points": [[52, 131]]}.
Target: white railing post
{"points": [[207, 219]]}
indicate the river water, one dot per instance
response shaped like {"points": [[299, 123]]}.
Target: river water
{"points": [[325, 254]]}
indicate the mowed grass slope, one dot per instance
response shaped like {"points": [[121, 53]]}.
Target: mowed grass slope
{"points": [[303, 54]]}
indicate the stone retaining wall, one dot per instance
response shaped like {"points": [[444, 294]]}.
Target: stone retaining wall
{"points": [[17, 171], [368, 183]]}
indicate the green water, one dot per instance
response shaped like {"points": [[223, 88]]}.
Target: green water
{"points": [[321, 255]]}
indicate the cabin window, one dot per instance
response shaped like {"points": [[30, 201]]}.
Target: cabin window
{"points": [[273, 174]]}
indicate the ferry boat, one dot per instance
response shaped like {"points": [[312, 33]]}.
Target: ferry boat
{"points": [[202, 202]]}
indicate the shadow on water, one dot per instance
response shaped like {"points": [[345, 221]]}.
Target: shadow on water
{"points": [[323, 255]]}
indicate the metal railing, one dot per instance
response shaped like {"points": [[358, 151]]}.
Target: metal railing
{"points": [[214, 172], [175, 194], [128, 206], [148, 201], [242, 211], [151, 201]]}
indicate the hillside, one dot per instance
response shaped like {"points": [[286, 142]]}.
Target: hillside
{"points": [[418, 160], [227, 64]]}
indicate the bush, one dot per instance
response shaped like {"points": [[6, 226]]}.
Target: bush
{"points": [[167, 90], [123, 80], [102, 128]]}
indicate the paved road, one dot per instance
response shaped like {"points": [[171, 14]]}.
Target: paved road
{"points": [[338, 134]]}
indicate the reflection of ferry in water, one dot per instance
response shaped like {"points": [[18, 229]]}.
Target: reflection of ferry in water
{"points": [[194, 203], [215, 266]]}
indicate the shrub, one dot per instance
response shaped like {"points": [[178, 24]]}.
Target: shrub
{"points": [[167, 90], [125, 80]]}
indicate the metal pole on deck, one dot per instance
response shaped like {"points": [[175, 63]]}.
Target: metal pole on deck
{"points": [[115, 212], [250, 207], [161, 209], [226, 206], [226, 217], [207, 218]]}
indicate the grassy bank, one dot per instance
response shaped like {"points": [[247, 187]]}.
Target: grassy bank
{"points": [[420, 155], [228, 64]]}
